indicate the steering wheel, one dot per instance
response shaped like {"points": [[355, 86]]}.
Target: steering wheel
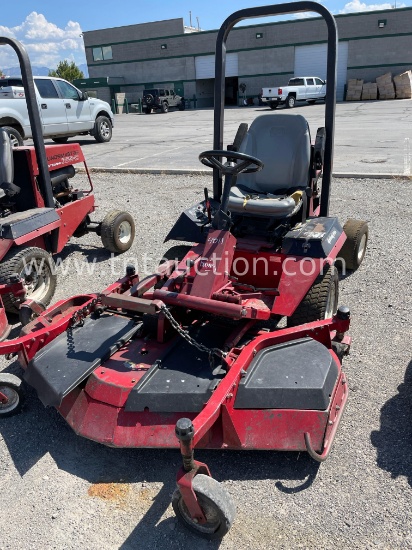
{"points": [[249, 164]]}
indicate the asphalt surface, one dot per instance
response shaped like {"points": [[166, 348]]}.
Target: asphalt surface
{"points": [[372, 137], [63, 492]]}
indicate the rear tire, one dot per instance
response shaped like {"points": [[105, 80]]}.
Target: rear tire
{"points": [[36, 267], [15, 136], [148, 110], [103, 129], [10, 386], [117, 231], [354, 248], [290, 101], [321, 302]]}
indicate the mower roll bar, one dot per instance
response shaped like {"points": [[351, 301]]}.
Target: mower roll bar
{"points": [[34, 117], [265, 11]]}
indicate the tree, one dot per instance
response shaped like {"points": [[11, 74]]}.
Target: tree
{"points": [[66, 70]]}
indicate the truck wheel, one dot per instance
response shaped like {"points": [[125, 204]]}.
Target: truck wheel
{"points": [[290, 101], [165, 107], [12, 395], [102, 129], [38, 271], [117, 231], [321, 302], [15, 136], [60, 140], [182, 105], [148, 110]]}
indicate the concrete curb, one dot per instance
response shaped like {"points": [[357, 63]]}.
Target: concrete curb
{"points": [[200, 172]]}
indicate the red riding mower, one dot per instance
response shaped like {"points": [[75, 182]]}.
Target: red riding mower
{"points": [[192, 356], [40, 211]]}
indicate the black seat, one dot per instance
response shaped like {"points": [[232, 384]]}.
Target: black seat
{"points": [[282, 142], [7, 187]]}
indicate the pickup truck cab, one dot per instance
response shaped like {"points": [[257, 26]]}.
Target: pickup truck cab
{"points": [[301, 88], [64, 110]]}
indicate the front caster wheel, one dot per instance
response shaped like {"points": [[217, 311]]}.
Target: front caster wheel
{"points": [[216, 504], [11, 395], [117, 231]]}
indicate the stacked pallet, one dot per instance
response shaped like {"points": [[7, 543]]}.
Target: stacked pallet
{"points": [[385, 86], [354, 90], [369, 91], [403, 84]]}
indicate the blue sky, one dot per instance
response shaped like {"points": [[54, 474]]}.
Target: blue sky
{"points": [[51, 30]]}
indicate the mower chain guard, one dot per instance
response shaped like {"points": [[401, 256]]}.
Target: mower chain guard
{"points": [[63, 364], [299, 374]]}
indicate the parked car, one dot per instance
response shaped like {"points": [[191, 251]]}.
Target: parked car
{"points": [[65, 111], [161, 99], [300, 88]]}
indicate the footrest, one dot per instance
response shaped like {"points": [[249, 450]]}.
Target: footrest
{"points": [[63, 364]]}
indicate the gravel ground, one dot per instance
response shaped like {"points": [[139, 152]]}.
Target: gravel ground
{"points": [[64, 492]]}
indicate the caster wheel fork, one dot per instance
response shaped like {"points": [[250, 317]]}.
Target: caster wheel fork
{"points": [[200, 503]]}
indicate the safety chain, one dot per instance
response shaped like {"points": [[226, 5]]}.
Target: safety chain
{"points": [[80, 314], [185, 334]]}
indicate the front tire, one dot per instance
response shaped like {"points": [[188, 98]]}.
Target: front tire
{"points": [[182, 105], [321, 302], [60, 140], [165, 107], [38, 271], [290, 101], [15, 136], [216, 504], [10, 387], [117, 231], [103, 129]]}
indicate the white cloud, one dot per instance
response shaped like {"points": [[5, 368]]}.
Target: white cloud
{"points": [[357, 5], [45, 42]]}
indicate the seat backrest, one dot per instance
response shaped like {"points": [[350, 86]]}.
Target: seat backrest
{"points": [[282, 142], [6, 158]]}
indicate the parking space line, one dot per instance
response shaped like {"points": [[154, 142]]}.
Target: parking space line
{"points": [[149, 156]]}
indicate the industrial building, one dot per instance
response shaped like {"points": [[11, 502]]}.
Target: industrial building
{"points": [[167, 54]]}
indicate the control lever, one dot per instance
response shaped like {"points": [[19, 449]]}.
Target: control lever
{"points": [[207, 204]]}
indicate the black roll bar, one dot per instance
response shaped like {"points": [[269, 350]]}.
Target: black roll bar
{"points": [[265, 11], [34, 117]]}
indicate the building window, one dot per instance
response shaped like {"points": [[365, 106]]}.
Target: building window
{"points": [[259, 35], [102, 53], [382, 23]]}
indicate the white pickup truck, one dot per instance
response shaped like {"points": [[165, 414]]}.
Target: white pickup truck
{"points": [[64, 110], [301, 88]]}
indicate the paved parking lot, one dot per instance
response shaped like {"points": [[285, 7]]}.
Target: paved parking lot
{"points": [[371, 137], [62, 492]]}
